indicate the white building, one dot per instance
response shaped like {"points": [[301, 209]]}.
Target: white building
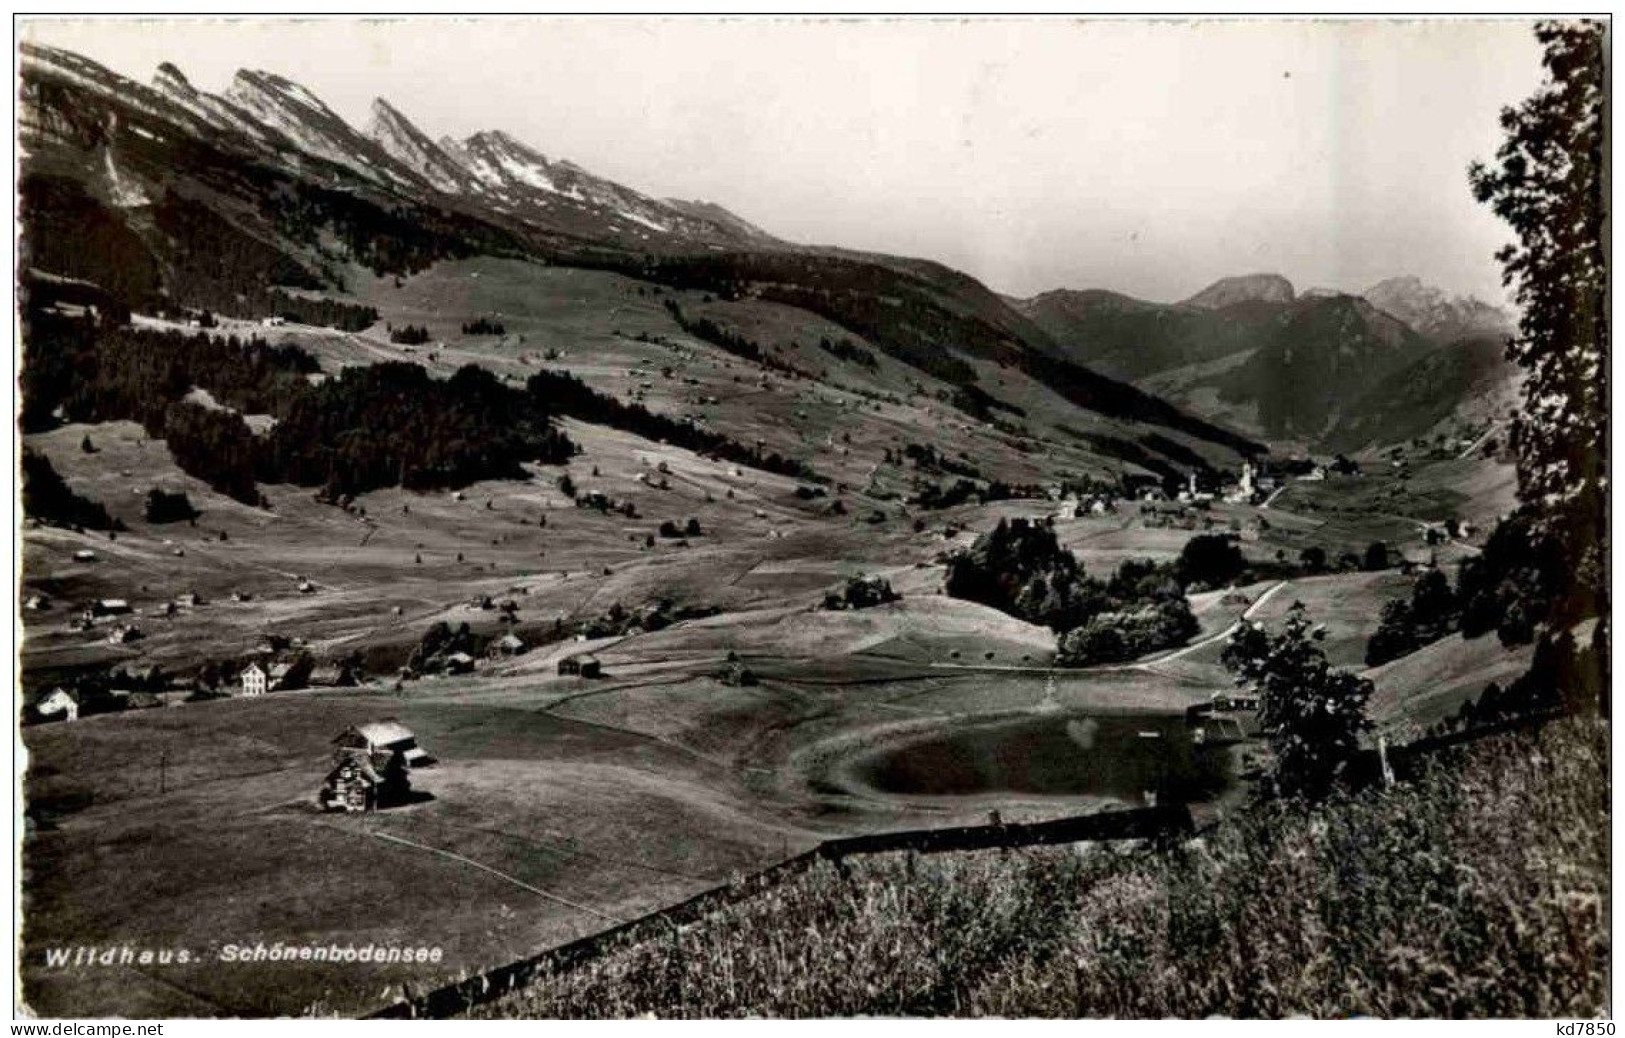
{"points": [[1243, 491], [255, 680], [58, 705]]}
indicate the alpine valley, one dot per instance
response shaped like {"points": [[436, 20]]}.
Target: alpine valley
{"points": [[676, 545]]}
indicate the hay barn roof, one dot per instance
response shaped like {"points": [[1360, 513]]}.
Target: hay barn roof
{"points": [[379, 733]]}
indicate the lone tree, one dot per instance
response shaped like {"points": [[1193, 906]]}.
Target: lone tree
{"points": [[1376, 556], [1547, 182], [1211, 559], [1311, 713]]}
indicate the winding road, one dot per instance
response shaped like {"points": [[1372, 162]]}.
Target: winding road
{"points": [[1141, 664]]}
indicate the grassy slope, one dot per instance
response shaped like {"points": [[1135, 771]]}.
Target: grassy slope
{"points": [[739, 782], [211, 807], [1415, 691], [1481, 890]]}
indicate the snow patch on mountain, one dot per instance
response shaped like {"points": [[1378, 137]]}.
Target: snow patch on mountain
{"points": [[311, 126], [1435, 313], [412, 148], [123, 191], [216, 111]]}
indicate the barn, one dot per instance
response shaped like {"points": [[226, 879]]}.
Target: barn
{"points": [[582, 666], [333, 675], [459, 663], [385, 737], [358, 782]]}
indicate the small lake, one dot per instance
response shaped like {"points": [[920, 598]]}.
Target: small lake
{"points": [[1118, 757]]}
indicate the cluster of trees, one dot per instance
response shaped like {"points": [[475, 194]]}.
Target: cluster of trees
{"points": [[395, 425], [980, 404], [733, 342], [564, 394], [1565, 676], [1544, 568], [1315, 559], [440, 642], [409, 335], [1134, 453], [1113, 637], [169, 507], [926, 458], [324, 313], [383, 425], [47, 499], [1525, 578], [483, 326], [1209, 561], [1311, 714], [1019, 567], [845, 349], [935, 496], [736, 673], [618, 620], [671, 530], [1433, 611], [861, 592], [214, 446], [91, 372]]}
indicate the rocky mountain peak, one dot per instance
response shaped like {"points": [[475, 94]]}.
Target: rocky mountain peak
{"points": [[1245, 288]]}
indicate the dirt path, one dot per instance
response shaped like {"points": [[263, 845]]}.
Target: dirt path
{"points": [[1424, 526], [1478, 442], [1106, 668], [1246, 615]]}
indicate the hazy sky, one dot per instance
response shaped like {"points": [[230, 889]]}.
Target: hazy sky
{"points": [[1148, 157]]}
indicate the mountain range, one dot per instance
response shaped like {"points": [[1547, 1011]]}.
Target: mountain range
{"points": [[166, 195], [1306, 368], [222, 201]]}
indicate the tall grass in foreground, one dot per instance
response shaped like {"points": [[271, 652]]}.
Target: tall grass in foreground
{"points": [[1482, 889]]}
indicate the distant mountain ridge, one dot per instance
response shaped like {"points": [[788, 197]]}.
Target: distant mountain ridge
{"points": [[166, 195], [1295, 368], [1436, 314], [1245, 288]]}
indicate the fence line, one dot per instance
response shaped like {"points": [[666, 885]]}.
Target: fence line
{"points": [[1135, 824]]}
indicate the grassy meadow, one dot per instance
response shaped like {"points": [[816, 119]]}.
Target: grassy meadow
{"points": [[1479, 890]]}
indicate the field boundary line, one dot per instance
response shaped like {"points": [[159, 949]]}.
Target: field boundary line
{"points": [[458, 996], [1132, 824], [495, 872]]}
